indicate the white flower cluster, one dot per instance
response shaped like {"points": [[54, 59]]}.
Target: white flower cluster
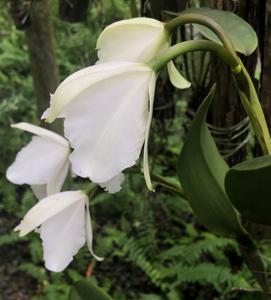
{"points": [[107, 112]]}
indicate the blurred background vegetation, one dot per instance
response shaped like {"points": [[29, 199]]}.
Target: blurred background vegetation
{"points": [[154, 248]]}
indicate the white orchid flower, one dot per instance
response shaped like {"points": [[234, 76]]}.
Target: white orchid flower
{"points": [[65, 227], [107, 111], [138, 40], [43, 163]]}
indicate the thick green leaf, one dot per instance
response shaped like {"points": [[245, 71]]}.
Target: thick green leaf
{"points": [[202, 172], [248, 187], [240, 32], [85, 290]]}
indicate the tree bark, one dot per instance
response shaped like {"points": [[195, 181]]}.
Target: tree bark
{"points": [[265, 91], [227, 109], [41, 46]]}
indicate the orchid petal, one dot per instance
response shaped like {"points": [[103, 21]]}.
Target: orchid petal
{"points": [[114, 122], [45, 113], [47, 208], [114, 184], [176, 78], [145, 154], [42, 132], [63, 235], [81, 81], [55, 185], [36, 162], [43, 161], [137, 39], [89, 234]]}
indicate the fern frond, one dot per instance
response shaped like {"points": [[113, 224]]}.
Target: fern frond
{"points": [[34, 271], [9, 238], [212, 274], [205, 273], [192, 253], [137, 254]]}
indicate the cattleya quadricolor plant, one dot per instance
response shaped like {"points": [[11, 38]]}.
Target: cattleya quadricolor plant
{"points": [[107, 111]]}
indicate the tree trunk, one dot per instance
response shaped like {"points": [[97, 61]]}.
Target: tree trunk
{"points": [[41, 46], [227, 109], [265, 91]]}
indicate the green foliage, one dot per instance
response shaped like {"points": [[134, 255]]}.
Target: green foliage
{"points": [[204, 273], [137, 255], [185, 263], [180, 264], [202, 172], [242, 35], [86, 290], [54, 291], [154, 248], [9, 238], [191, 253], [34, 271], [248, 187]]}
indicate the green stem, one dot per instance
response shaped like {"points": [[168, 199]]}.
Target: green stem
{"points": [[253, 108], [188, 46], [166, 183], [187, 18], [91, 189], [243, 82], [254, 261]]}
